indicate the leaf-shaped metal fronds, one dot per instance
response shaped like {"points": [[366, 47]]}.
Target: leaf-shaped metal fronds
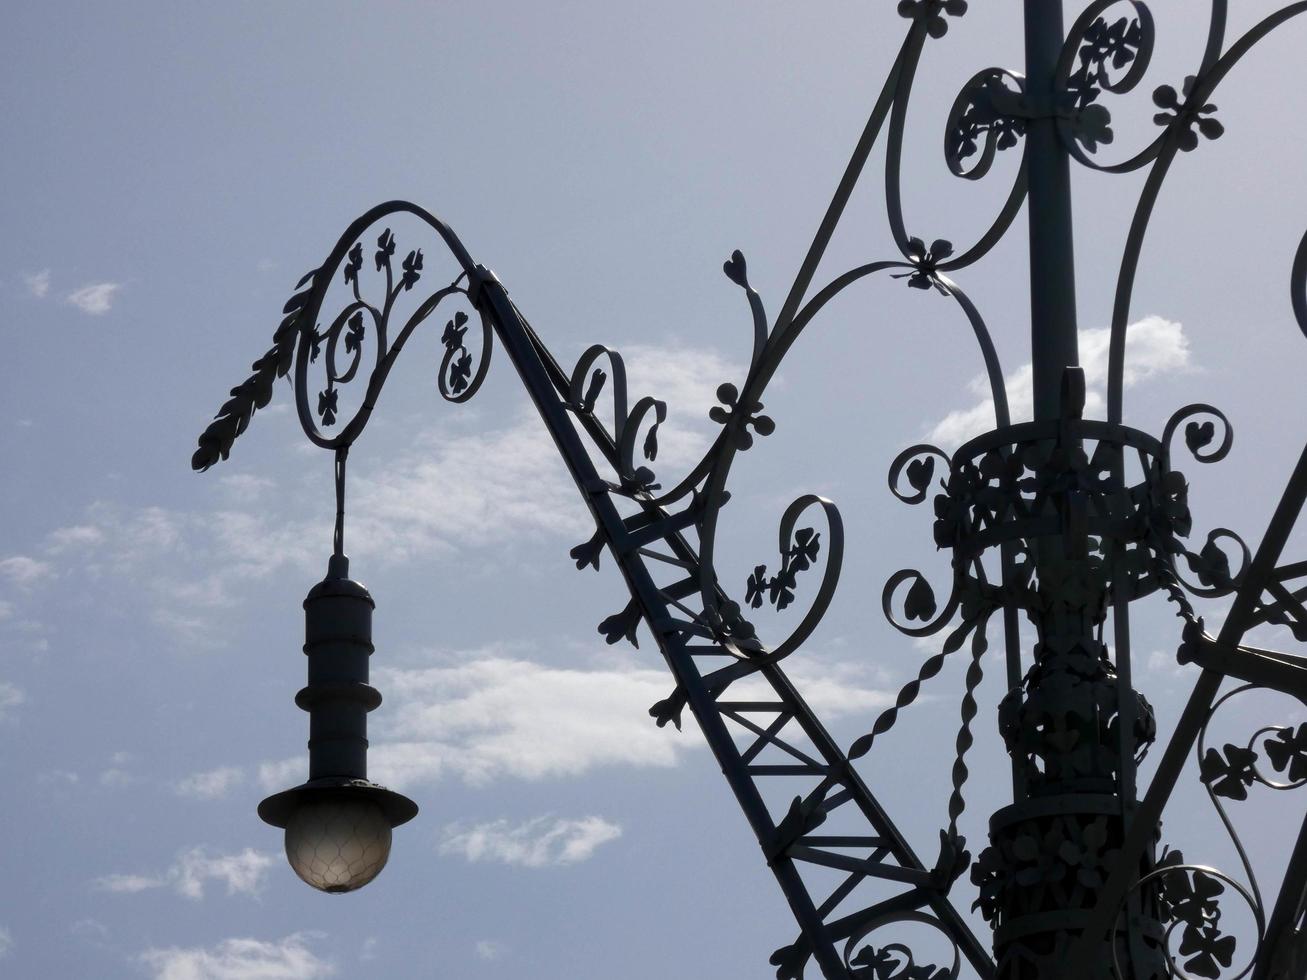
{"points": [[588, 552], [412, 266], [669, 710], [622, 625], [385, 249], [593, 390], [255, 391]]}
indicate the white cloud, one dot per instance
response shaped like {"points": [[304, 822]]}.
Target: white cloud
{"points": [[37, 283], [457, 490], [274, 776], [212, 784], [24, 571], [117, 778], [184, 566], [450, 490], [1154, 346], [246, 485], [454, 491], [240, 959], [6, 942], [129, 884], [62, 777], [118, 774], [488, 716], [488, 949], [77, 536], [243, 873], [832, 689], [1161, 662], [90, 930], [10, 697], [539, 843], [495, 716], [95, 298]]}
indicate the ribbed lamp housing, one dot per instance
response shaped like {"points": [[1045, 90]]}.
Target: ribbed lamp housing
{"points": [[338, 697]]}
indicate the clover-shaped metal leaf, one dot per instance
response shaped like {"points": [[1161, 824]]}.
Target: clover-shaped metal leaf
{"points": [[385, 249], [1181, 112], [807, 545], [1231, 775], [327, 406], [354, 263], [1211, 565], [354, 333], [925, 260], [727, 394], [755, 589], [780, 590], [1208, 948], [412, 266], [1288, 751], [460, 373], [723, 414], [1093, 127], [932, 12], [455, 331]]}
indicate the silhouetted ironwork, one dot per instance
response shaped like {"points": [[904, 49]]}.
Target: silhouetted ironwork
{"points": [[1062, 519]]}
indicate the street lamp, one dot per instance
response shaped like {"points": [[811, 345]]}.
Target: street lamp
{"points": [[337, 823], [1064, 520]]}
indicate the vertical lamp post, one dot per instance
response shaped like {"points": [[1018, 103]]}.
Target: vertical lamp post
{"points": [[1062, 520]]}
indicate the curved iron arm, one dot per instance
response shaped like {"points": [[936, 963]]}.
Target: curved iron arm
{"points": [[1177, 136], [650, 540]]}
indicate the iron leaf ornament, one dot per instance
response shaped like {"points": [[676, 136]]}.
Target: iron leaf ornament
{"points": [[255, 392]]}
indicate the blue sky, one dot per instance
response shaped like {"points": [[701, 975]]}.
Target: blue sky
{"points": [[172, 170]]}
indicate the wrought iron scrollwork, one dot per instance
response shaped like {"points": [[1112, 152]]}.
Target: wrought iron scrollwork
{"points": [[987, 116], [1102, 56], [341, 346], [1191, 895], [895, 960], [1038, 519]]}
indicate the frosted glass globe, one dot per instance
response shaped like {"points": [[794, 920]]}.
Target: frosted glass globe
{"points": [[338, 845]]}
